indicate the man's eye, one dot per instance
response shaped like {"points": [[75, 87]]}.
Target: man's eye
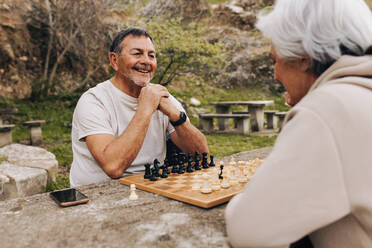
{"points": [[152, 56]]}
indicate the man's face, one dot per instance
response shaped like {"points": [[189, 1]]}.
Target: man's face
{"points": [[137, 61]]}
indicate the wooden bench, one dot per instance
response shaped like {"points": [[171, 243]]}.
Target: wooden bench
{"points": [[36, 137], [6, 134], [270, 119], [281, 116], [241, 120]]}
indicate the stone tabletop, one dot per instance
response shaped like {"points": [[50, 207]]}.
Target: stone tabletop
{"points": [[111, 220]]}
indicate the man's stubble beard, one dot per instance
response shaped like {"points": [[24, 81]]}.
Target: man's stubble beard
{"points": [[136, 81]]}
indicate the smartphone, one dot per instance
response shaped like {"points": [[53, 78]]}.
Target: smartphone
{"points": [[69, 197]]}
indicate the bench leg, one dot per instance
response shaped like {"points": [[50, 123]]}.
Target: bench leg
{"points": [[36, 137], [5, 138], [242, 125], [223, 123], [270, 121], [206, 124], [280, 122], [257, 118]]}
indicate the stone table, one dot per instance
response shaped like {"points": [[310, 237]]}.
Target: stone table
{"points": [[111, 220]]}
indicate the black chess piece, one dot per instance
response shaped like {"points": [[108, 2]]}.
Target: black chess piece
{"points": [[153, 176], [211, 164], [156, 166], [181, 162], [164, 172], [147, 171], [165, 166], [197, 160], [189, 163], [205, 160], [220, 175], [175, 164]]}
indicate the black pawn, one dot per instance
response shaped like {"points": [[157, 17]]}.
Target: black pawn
{"points": [[205, 161], [164, 173], [181, 161], [147, 171], [211, 164], [156, 166], [175, 165], [153, 176], [189, 163], [197, 159], [220, 175]]}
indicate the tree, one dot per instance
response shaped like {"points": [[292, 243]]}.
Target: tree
{"points": [[181, 49], [72, 34]]}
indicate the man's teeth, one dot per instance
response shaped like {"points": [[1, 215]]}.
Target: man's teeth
{"points": [[142, 71]]}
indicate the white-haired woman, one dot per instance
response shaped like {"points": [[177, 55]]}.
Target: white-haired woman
{"points": [[318, 179]]}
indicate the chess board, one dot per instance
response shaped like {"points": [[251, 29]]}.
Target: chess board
{"points": [[179, 187]]}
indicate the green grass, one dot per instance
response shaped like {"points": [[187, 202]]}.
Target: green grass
{"points": [[222, 145]]}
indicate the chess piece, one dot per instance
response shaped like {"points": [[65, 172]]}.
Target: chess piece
{"points": [[206, 189], [133, 196], [147, 171], [225, 183], [189, 163], [156, 166], [153, 176], [211, 164], [181, 167], [205, 160], [220, 175], [164, 173], [197, 160]]}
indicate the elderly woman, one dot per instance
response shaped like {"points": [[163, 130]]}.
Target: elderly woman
{"points": [[318, 179]]}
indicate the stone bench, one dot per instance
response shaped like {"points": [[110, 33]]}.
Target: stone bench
{"points": [[6, 134], [270, 119], [281, 116], [6, 113], [36, 136], [241, 121]]}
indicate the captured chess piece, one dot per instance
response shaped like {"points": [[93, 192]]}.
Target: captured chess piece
{"points": [[205, 160], [211, 164], [133, 196], [189, 163], [197, 160], [147, 171]]}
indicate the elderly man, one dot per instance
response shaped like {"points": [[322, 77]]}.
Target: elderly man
{"points": [[122, 123], [317, 180]]}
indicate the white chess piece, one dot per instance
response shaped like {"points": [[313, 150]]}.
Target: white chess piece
{"points": [[133, 196], [206, 189]]}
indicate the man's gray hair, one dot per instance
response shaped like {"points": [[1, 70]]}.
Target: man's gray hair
{"points": [[323, 30]]}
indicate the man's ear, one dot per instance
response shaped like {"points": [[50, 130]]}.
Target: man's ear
{"points": [[114, 58]]}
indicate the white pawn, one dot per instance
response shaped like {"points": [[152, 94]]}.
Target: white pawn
{"points": [[133, 196]]}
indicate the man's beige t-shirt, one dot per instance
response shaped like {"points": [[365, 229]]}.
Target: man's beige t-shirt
{"points": [[105, 109]]}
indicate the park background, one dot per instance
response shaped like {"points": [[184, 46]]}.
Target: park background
{"points": [[52, 51]]}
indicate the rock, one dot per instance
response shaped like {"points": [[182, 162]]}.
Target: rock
{"points": [[194, 101], [30, 156], [23, 181]]}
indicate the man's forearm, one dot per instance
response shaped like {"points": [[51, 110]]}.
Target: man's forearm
{"points": [[189, 139]]}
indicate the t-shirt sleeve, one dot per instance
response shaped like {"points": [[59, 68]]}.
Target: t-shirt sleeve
{"points": [[170, 128], [91, 117], [299, 188]]}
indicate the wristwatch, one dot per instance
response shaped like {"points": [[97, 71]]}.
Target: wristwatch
{"points": [[181, 120]]}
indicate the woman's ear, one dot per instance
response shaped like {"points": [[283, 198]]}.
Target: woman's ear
{"points": [[114, 58], [305, 64]]}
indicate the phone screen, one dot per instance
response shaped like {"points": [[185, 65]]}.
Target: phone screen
{"points": [[69, 197]]}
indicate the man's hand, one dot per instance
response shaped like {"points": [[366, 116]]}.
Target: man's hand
{"points": [[149, 98], [168, 108]]}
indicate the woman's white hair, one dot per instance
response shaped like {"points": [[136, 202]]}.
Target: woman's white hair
{"points": [[320, 29]]}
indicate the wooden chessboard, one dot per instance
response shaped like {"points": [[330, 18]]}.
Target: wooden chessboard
{"points": [[178, 187]]}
